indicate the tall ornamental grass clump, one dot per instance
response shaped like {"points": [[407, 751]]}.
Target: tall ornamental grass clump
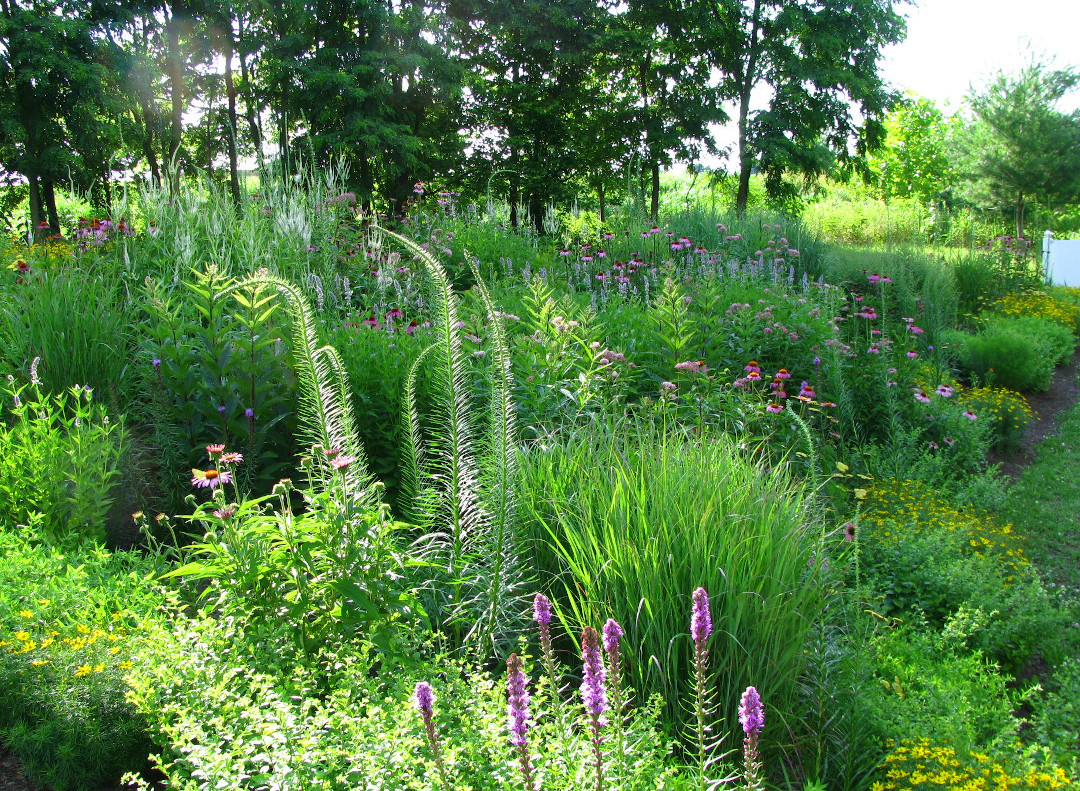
{"points": [[632, 520]]}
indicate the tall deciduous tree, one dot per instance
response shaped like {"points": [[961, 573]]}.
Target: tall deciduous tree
{"points": [[58, 108], [915, 160], [816, 61], [1021, 148]]}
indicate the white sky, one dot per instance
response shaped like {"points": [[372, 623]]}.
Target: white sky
{"points": [[953, 44]]}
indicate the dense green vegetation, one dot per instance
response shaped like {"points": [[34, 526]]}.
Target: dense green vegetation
{"points": [[357, 456]]}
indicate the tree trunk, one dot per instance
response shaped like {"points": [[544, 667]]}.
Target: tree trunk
{"points": [[742, 196], [654, 204], [230, 92], [176, 92], [600, 196], [1020, 215], [35, 208], [249, 99], [49, 194]]}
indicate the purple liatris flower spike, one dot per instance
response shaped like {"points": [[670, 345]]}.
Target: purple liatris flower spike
{"points": [[517, 717], [752, 719], [701, 618], [542, 609], [517, 707], [594, 696], [751, 712], [424, 699], [612, 633]]}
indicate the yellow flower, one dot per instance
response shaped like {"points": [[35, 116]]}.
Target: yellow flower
{"points": [[99, 667], [83, 670], [25, 614], [82, 629], [125, 665], [22, 636]]}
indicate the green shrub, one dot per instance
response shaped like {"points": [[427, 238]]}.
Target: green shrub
{"points": [[1058, 338], [233, 707], [928, 558], [71, 626], [1004, 357], [1004, 411], [59, 463], [633, 520]]}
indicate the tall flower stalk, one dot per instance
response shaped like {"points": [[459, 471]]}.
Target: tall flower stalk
{"points": [[752, 719], [594, 697], [424, 700], [542, 616], [612, 633], [700, 630], [518, 717]]}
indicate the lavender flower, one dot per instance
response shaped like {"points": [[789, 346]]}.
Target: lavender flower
{"points": [[701, 618], [612, 633], [517, 716], [700, 629], [752, 719], [751, 712], [542, 610], [424, 700], [517, 709], [594, 696]]}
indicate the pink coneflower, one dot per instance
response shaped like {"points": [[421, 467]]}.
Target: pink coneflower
{"points": [[970, 415], [341, 462], [933, 445], [921, 396], [208, 479], [944, 391], [912, 354], [225, 513], [215, 450], [587, 259], [753, 376], [394, 313], [949, 441], [231, 458], [774, 409], [752, 367], [849, 531], [915, 330], [783, 374]]}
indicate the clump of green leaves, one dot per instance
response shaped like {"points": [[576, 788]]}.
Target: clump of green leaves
{"points": [[60, 461]]}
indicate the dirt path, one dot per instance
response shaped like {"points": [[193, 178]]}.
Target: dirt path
{"points": [[1063, 393]]}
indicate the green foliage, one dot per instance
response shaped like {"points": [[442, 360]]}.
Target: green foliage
{"points": [[45, 314], [635, 519], [71, 625], [461, 480], [1004, 356], [60, 462], [223, 703], [928, 558], [1021, 148], [218, 373], [915, 162], [933, 686], [328, 573], [1060, 340]]}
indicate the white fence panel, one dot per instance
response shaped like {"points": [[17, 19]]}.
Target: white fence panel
{"points": [[1061, 260]]}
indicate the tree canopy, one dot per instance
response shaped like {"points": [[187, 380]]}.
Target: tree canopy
{"points": [[552, 96]]}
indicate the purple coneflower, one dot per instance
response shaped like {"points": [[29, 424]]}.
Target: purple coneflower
{"points": [[209, 479], [921, 396]]}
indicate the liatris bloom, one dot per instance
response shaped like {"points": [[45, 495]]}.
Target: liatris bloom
{"points": [[612, 633], [752, 719], [517, 716], [542, 616], [424, 700], [594, 696], [700, 629]]}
